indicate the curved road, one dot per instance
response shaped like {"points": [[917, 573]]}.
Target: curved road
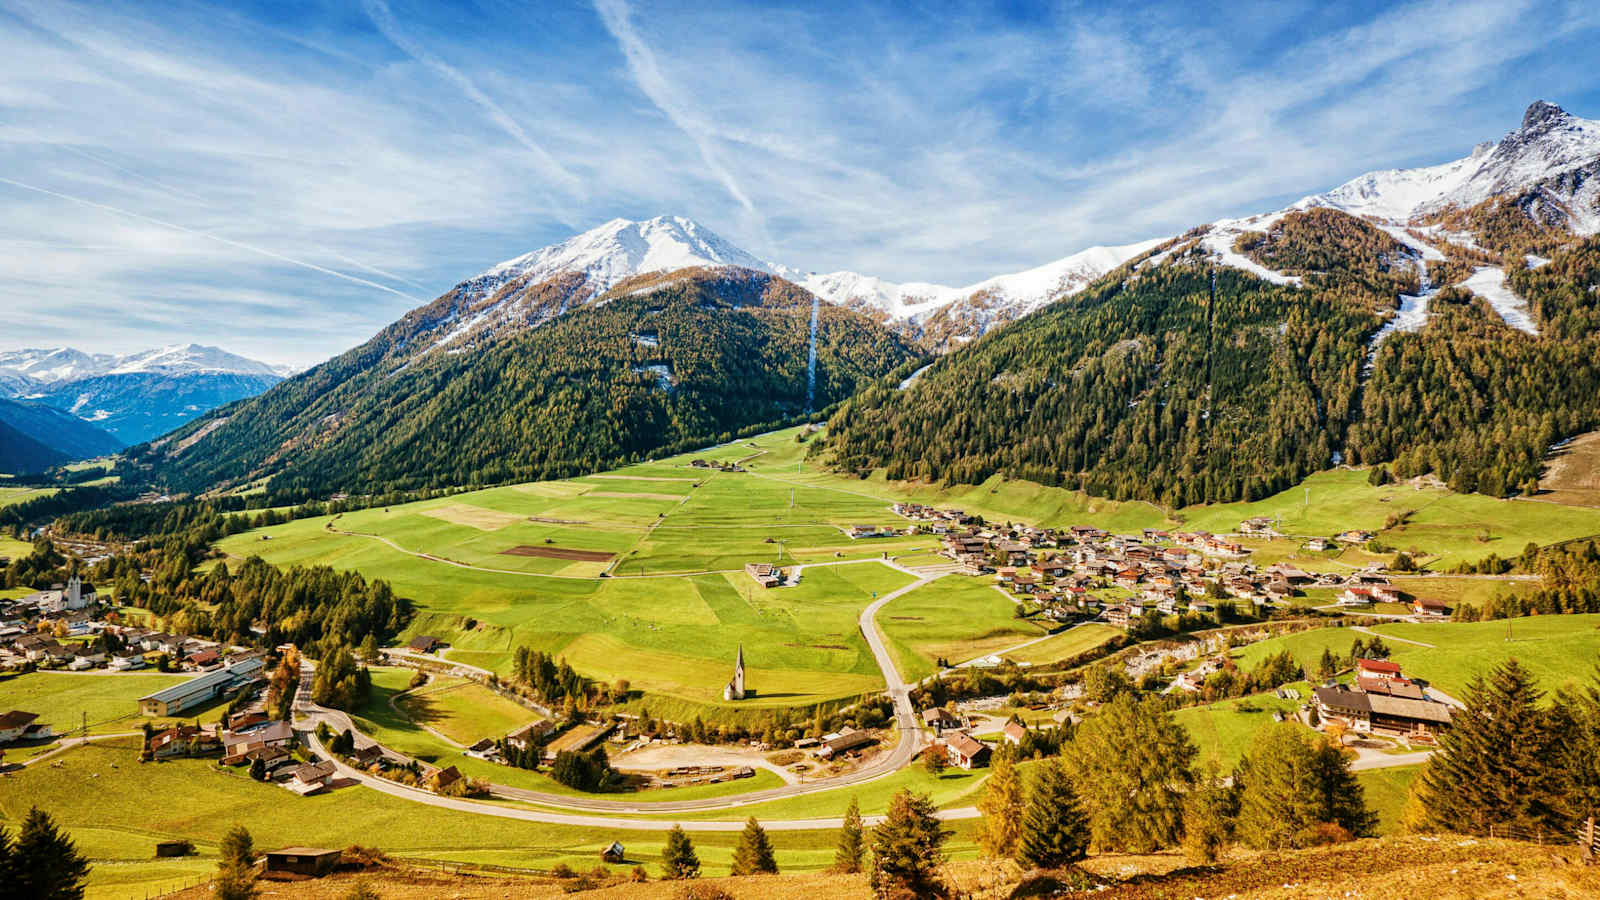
{"points": [[912, 740]]}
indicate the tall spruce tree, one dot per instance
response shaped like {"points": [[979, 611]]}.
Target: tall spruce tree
{"points": [[908, 849], [1001, 806], [852, 845], [1290, 788], [1209, 812], [46, 864], [1132, 765], [1054, 827], [679, 860], [236, 873], [1496, 766], [754, 854]]}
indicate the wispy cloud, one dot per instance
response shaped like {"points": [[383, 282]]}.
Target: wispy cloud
{"points": [[285, 183], [618, 19]]}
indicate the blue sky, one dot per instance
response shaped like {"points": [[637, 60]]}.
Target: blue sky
{"points": [[284, 179]]}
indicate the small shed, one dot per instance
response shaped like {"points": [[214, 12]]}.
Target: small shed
{"points": [[310, 861], [173, 848], [423, 643], [614, 853]]}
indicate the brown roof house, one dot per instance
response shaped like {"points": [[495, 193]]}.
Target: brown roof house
{"points": [[966, 751]]}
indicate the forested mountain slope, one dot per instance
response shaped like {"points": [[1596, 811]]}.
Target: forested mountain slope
{"points": [[65, 435], [663, 362], [1180, 380]]}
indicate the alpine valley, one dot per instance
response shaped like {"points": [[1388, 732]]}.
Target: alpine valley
{"points": [[1435, 319]]}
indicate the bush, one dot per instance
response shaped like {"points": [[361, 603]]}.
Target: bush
{"points": [[703, 891], [562, 870]]}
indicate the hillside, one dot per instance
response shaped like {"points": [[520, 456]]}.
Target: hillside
{"points": [[1249, 353], [661, 363], [20, 453], [66, 436]]}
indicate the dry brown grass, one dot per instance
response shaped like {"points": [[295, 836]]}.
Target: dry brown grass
{"points": [[1445, 868], [474, 516], [1572, 474]]}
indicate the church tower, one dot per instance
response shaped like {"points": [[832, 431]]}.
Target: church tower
{"points": [[735, 688]]}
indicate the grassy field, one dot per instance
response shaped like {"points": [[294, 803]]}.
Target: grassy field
{"points": [[1065, 645], [10, 495], [117, 824], [1222, 730], [396, 730], [1459, 591], [464, 711], [1556, 649], [108, 702], [1306, 646], [1449, 528], [1386, 791], [956, 617]]}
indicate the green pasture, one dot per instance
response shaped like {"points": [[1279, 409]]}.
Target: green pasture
{"points": [[956, 617], [106, 801], [1385, 791], [465, 711], [10, 495], [1222, 730], [387, 721], [1065, 645], [1306, 646], [1558, 650], [107, 701]]}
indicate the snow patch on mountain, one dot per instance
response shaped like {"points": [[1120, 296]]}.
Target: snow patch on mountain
{"points": [[65, 364], [1489, 283]]}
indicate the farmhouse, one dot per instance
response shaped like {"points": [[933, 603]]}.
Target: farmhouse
{"points": [[1429, 608], [939, 719], [843, 742], [202, 689], [1381, 669], [1369, 711], [423, 643], [965, 751], [765, 574], [17, 725], [310, 778], [1014, 732]]}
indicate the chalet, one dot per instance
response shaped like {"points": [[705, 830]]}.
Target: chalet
{"points": [[1356, 596], [1318, 544], [423, 643], [1012, 553], [868, 531], [1129, 579], [843, 742], [766, 575], [125, 663], [965, 751], [1387, 593], [1381, 669], [1014, 732], [236, 745], [183, 740], [308, 862], [531, 734], [310, 778], [1354, 536], [1005, 574], [1259, 525], [201, 660], [441, 780], [367, 756], [1429, 608], [1117, 615], [1367, 711], [17, 725], [940, 719]]}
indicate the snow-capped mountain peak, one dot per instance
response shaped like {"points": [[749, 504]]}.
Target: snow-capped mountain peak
{"points": [[63, 364], [1552, 150], [620, 249]]}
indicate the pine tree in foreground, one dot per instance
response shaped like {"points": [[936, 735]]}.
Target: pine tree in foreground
{"points": [[45, 864], [1001, 806], [1295, 792], [1208, 815], [678, 860], [1495, 764], [754, 854], [236, 872], [852, 845], [1054, 829], [908, 849], [1131, 765]]}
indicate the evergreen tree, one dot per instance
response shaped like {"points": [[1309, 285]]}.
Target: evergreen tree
{"points": [[1289, 788], [754, 854], [8, 863], [238, 849], [1208, 815], [1496, 766], [45, 864], [1001, 806], [678, 860], [258, 769], [1131, 763], [1328, 666], [908, 849], [1054, 828], [847, 857]]}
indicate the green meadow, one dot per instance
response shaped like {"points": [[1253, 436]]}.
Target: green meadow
{"points": [[10, 495], [956, 617], [108, 703], [197, 800], [1222, 731]]}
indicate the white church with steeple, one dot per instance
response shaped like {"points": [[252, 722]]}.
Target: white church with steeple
{"points": [[734, 690]]}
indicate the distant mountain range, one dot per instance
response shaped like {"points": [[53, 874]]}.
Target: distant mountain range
{"points": [[1404, 316], [131, 398]]}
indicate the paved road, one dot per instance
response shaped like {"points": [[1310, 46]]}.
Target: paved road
{"points": [[911, 742]]}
